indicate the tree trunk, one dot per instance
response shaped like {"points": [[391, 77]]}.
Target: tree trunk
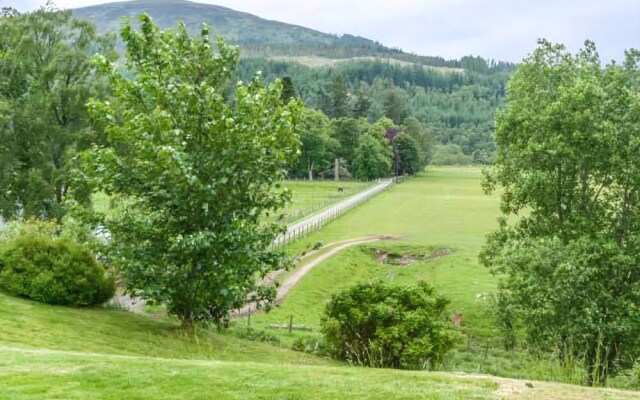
{"points": [[336, 169], [310, 170]]}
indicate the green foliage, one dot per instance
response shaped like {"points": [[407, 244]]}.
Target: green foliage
{"points": [[409, 155], [634, 375], [256, 335], [339, 98], [423, 137], [198, 173], [317, 146], [288, 90], [456, 107], [53, 270], [346, 131], [570, 257], [450, 154], [46, 79], [372, 158], [378, 325], [395, 104], [311, 345]]}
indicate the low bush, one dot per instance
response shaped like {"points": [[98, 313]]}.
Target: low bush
{"points": [[384, 326], [52, 270], [256, 335], [311, 345]]}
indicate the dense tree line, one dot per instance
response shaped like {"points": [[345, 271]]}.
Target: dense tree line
{"points": [[457, 108]]}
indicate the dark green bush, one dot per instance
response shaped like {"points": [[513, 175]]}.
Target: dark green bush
{"points": [[383, 326], [52, 270]]}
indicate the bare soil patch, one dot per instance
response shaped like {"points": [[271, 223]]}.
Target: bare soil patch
{"points": [[383, 256]]}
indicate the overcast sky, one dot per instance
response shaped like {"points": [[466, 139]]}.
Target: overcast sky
{"points": [[499, 29]]}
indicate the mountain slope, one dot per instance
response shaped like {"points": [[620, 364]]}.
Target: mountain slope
{"points": [[258, 37], [234, 26]]}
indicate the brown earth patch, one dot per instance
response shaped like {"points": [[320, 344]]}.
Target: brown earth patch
{"points": [[403, 260]]}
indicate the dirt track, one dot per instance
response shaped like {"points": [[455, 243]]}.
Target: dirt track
{"points": [[304, 267]]}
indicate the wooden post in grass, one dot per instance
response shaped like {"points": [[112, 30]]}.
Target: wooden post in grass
{"points": [[486, 350], [290, 323]]}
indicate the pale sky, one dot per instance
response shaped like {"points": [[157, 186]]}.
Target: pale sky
{"points": [[498, 29]]}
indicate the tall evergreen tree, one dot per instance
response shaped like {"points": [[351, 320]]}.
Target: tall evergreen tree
{"points": [[339, 97], [288, 89]]}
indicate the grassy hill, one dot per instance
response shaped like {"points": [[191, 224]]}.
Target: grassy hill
{"points": [[49, 352]]}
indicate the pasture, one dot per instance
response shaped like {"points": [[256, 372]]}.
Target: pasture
{"points": [[307, 197], [444, 215], [441, 218], [443, 209]]}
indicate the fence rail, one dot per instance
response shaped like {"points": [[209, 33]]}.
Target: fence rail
{"points": [[317, 221]]}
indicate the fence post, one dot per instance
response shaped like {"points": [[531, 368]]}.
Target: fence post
{"points": [[290, 323]]}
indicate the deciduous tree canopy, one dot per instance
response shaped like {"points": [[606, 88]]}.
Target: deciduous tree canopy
{"points": [[197, 172], [569, 170]]}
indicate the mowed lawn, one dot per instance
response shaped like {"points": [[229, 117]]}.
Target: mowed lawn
{"points": [[49, 352], [444, 208]]}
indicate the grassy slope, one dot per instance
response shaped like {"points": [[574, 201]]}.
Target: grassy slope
{"points": [[318, 61], [445, 208], [25, 324], [235, 26], [57, 352], [106, 377]]}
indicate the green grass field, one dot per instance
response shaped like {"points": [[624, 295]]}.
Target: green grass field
{"points": [[444, 208], [49, 352], [307, 197]]}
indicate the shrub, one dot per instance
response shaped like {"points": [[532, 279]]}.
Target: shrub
{"points": [[256, 335], [378, 325], [52, 270], [633, 375], [309, 344]]}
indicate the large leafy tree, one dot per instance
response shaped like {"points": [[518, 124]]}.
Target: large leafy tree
{"points": [[409, 161], [46, 78], [317, 145], [568, 166], [196, 172], [372, 158], [346, 131], [423, 138]]}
